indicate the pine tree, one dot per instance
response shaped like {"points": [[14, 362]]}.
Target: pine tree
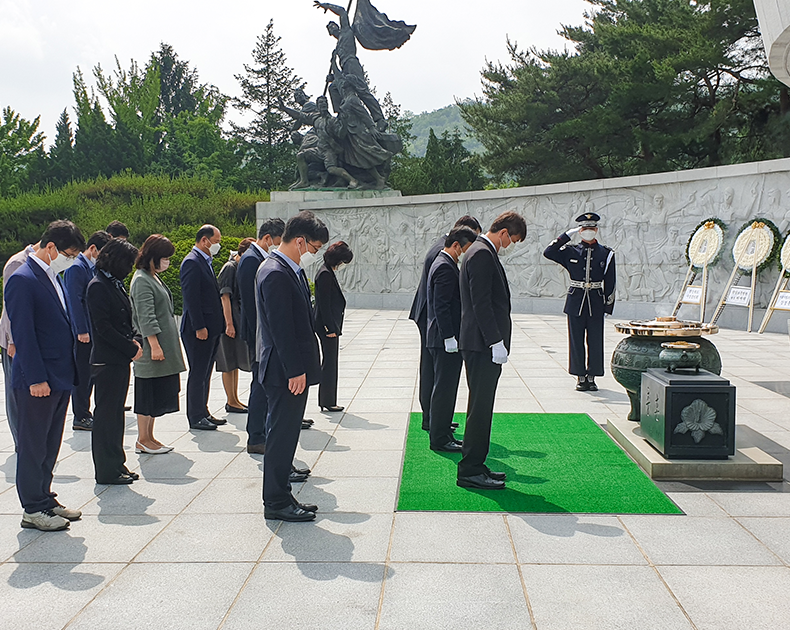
{"points": [[266, 140], [61, 154]]}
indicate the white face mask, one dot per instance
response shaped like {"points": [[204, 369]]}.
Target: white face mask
{"points": [[307, 258], [61, 263], [163, 265], [214, 249], [588, 235]]}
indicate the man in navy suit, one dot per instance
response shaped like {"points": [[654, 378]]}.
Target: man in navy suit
{"points": [[269, 235], [44, 372], [444, 328], [202, 324], [419, 315], [75, 281], [485, 343], [288, 356]]}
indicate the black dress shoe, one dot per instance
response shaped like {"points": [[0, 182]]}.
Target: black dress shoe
{"points": [[229, 409], [85, 424], [131, 474], [294, 477], [582, 385], [309, 421], [204, 424], [306, 425], [257, 449], [591, 386], [499, 476], [454, 426], [300, 471], [332, 408], [307, 507], [481, 481], [217, 421], [450, 447], [127, 407], [290, 513], [120, 480]]}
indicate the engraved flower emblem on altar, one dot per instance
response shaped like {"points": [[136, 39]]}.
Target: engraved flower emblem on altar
{"points": [[700, 419]]}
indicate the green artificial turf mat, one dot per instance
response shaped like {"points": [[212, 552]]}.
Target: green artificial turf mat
{"points": [[555, 462]]}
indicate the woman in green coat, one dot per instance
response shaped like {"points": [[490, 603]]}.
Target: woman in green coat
{"points": [[156, 375]]}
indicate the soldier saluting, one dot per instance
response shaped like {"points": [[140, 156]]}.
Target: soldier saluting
{"points": [[591, 268]]}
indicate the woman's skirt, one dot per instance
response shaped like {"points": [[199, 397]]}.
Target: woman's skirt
{"points": [[232, 354], [156, 396]]}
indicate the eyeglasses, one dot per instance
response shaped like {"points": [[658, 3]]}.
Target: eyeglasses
{"points": [[315, 248]]}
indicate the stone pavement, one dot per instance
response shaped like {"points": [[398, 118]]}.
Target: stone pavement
{"points": [[187, 546]]}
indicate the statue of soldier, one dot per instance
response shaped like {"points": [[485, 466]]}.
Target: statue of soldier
{"points": [[591, 268], [321, 146], [346, 53]]}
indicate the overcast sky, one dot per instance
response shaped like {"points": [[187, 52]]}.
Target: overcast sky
{"points": [[42, 42]]}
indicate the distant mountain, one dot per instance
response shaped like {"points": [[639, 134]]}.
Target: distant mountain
{"points": [[444, 119]]}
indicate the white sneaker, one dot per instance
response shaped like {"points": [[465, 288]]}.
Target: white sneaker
{"points": [[46, 521], [67, 513]]}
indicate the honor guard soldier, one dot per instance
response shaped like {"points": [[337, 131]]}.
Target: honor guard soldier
{"points": [[591, 269]]}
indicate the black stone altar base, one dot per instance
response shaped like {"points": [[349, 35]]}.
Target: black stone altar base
{"points": [[688, 415]]}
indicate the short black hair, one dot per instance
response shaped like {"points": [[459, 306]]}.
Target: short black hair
{"points": [[461, 235], [117, 229], [511, 221], [470, 222], [117, 258], [99, 239], [64, 234], [272, 227], [338, 253], [306, 225], [207, 231]]}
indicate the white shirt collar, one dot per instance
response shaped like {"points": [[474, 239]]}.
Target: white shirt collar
{"points": [[489, 240], [261, 250], [52, 278]]}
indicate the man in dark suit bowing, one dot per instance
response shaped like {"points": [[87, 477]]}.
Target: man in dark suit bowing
{"points": [[202, 324], [269, 235], [419, 315], [288, 357], [485, 342], [44, 372], [444, 328], [75, 282]]}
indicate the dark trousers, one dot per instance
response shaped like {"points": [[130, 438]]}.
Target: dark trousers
{"points": [[426, 377], [200, 356], [112, 383], [482, 376], [41, 423], [257, 409], [589, 327], [11, 411], [446, 375], [327, 387], [81, 394], [286, 413]]}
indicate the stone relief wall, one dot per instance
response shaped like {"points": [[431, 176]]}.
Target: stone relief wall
{"points": [[646, 219]]}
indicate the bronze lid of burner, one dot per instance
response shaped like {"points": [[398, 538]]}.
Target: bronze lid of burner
{"points": [[666, 327]]}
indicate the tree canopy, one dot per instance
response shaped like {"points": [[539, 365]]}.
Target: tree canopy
{"points": [[646, 86]]}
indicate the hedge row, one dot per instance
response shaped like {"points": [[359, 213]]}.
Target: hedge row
{"points": [[146, 204]]}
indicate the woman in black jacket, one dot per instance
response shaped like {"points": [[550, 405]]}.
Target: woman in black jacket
{"points": [[115, 346], [329, 308]]}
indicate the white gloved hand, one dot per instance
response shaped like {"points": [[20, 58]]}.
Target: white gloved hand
{"points": [[573, 231], [451, 345], [499, 353]]}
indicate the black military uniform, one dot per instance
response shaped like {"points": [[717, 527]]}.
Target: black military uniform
{"points": [[591, 269]]}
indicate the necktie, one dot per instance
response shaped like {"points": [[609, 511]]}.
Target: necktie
{"points": [[305, 283]]}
